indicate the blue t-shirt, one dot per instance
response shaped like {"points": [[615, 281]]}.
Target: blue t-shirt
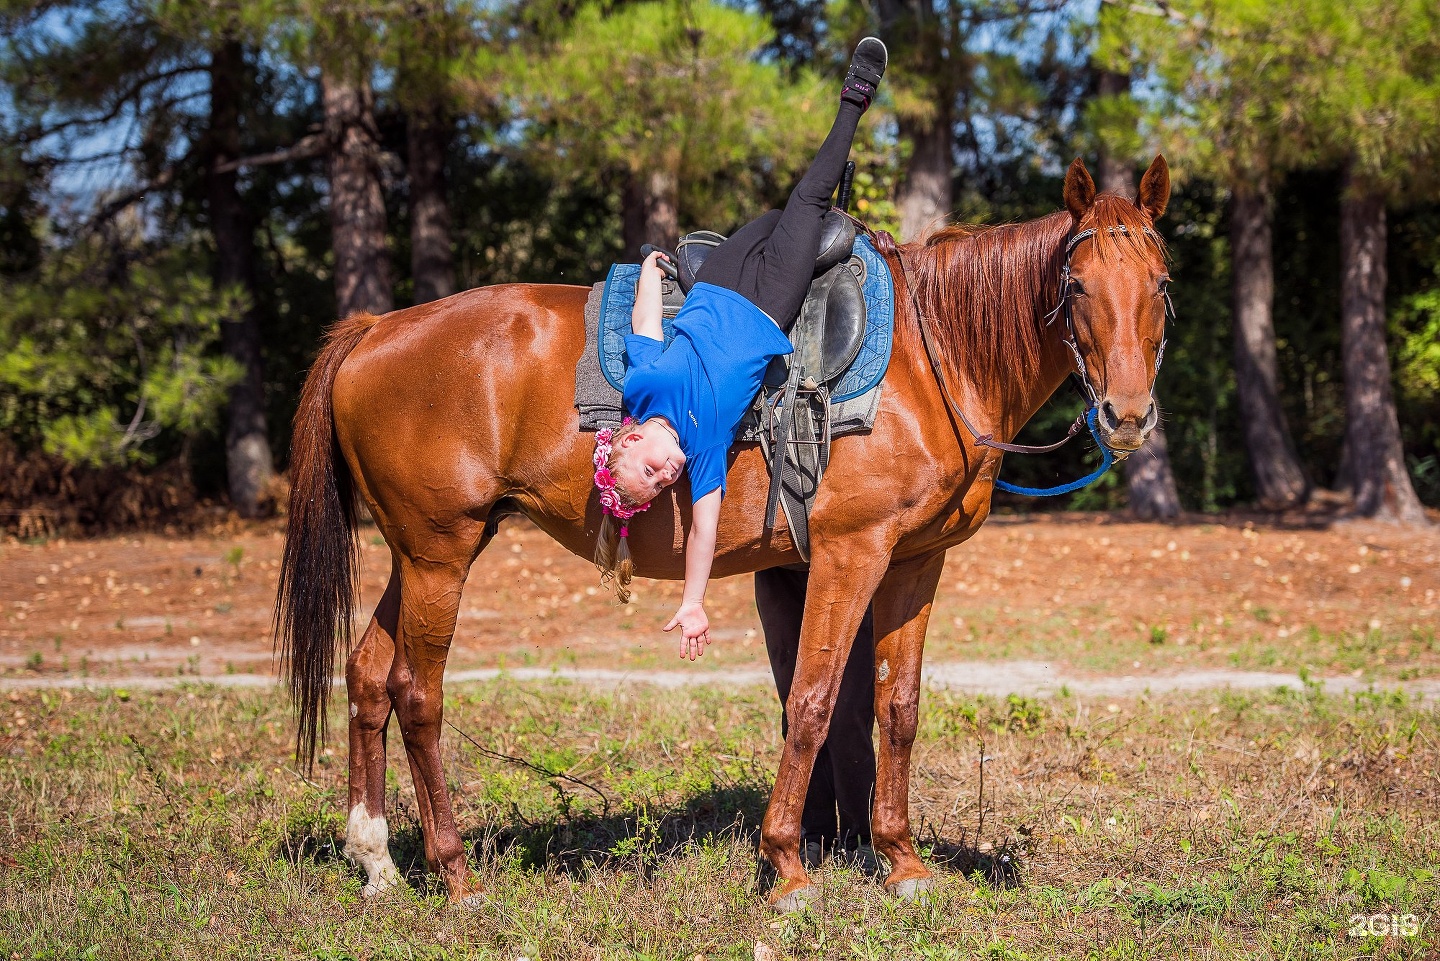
{"points": [[705, 381]]}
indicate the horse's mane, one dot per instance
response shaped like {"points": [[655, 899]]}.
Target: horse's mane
{"points": [[986, 290]]}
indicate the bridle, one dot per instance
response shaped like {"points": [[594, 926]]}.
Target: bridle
{"points": [[886, 245], [1091, 395]]}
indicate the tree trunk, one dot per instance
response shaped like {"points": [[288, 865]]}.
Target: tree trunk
{"points": [[926, 193], [1372, 428], [1149, 481], [652, 211], [1279, 480], [249, 466], [432, 264], [1114, 174], [357, 207]]}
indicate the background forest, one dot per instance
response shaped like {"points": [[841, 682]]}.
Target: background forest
{"points": [[191, 192]]}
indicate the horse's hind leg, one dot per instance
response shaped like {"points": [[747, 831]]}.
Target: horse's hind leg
{"points": [[902, 611], [429, 605], [366, 834]]}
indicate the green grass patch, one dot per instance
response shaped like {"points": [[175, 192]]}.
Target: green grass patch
{"points": [[174, 824]]}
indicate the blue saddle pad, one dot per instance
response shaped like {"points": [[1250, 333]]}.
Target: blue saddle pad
{"points": [[868, 369]]}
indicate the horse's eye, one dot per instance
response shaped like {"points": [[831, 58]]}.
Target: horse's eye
{"points": [[1164, 286], [1076, 287]]}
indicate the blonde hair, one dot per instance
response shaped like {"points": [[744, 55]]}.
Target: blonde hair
{"points": [[612, 557], [612, 552]]}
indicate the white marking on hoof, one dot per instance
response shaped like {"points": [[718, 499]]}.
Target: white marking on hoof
{"points": [[915, 890], [798, 900], [367, 845]]}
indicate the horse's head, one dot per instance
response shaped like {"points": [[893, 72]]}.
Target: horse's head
{"points": [[1115, 299]]}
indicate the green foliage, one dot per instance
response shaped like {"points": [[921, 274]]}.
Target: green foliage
{"points": [[1248, 87], [664, 88], [561, 106], [96, 362]]}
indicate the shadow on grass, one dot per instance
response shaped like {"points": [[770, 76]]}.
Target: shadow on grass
{"points": [[1001, 867], [639, 839], [643, 837]]}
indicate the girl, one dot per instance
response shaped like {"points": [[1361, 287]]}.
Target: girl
{"points": [[686, 401]]}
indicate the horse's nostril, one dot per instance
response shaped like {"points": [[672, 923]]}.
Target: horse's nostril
{"points": [[1152, 417], [1107, 416]]}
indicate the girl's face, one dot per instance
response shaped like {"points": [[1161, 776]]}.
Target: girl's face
{"points": [[648, 460]]}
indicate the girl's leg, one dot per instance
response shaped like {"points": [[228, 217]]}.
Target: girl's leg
{"points": [[781, 275], [727, 264], [771, 261]]}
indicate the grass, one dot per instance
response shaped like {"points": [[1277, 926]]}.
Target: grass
{"points": [[174, 825]]}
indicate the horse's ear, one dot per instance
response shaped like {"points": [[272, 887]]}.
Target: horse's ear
{"points": [[1079, 190], [1155, 189]]}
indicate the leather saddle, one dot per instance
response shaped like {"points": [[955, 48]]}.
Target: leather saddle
{"points": [[831, 327]]}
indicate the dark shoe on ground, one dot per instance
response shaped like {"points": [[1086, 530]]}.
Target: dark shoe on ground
{"points": [[862, 859], [867, 66]]}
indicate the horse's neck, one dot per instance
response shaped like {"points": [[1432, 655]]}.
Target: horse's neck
{"points": [[1032, 391]]}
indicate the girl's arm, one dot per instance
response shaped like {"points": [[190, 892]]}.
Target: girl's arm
{"points": [[645, 318], [699, 555]]}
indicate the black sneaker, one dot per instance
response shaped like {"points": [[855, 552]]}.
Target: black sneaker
{"points": [[867, 66]]}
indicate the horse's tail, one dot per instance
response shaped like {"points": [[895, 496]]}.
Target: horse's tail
{"points": [[315, 601]]}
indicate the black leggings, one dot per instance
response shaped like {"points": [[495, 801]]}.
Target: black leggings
{"points": [[771, 260]]}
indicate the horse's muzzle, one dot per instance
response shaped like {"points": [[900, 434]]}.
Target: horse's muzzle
{"points": [[1123, 428]]}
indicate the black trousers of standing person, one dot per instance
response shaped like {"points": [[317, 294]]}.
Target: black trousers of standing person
{"points": [[771, 260], [842, 785]]}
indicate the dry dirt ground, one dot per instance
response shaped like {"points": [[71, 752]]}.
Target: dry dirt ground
{"points": [[1079, 596]]}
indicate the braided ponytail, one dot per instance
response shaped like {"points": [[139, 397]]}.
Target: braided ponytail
{"points": [[612, 550]]}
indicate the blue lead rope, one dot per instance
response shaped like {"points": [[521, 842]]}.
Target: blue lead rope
{"points": [[1108, 459]]}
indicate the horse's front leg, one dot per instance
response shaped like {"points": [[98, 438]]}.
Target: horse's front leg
{"points": [[839, 590], [902, 611]]}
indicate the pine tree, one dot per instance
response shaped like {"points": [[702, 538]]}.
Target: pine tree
{"points": [[1220, 73], [670, 101], [1372, 103]]}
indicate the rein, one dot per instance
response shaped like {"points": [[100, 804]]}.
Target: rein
{"points": [[1087, 418]]}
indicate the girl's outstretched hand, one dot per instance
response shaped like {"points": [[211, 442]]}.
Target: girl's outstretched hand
{"points": [[694, 628]]}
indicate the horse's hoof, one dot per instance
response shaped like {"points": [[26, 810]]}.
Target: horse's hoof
{"points": [[472, 902], [914, 890], [384, 881], [797, 900]]}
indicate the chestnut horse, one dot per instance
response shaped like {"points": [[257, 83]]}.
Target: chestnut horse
{"points": [[448, 416]]}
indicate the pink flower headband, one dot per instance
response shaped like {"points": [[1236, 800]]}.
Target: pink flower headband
{"points": [[610, 501]]}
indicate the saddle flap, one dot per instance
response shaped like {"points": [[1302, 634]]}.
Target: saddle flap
{"points": [[830, 330], [837, 241]]}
